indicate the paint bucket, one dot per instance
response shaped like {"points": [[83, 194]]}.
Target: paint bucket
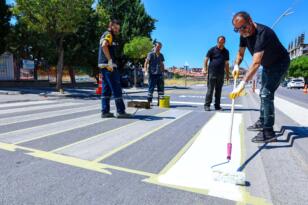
{"points": [[164, 102]]}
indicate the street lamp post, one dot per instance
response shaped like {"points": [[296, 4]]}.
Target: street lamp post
{"points": [[286, 13], [186, 68]]}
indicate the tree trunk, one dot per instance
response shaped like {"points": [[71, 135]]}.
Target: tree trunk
{"points": [[72, 75], [60, 63]]}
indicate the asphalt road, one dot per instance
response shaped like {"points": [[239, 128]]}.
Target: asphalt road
{"points": [[57, 150]]}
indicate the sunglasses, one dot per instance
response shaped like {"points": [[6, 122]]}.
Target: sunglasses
{"points": [[243, 27]]}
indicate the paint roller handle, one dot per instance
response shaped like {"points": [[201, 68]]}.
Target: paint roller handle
{"points": [[229, 150]]}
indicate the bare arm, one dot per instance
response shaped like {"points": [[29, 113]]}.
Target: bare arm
{"points": [[227, 69], [205, 65], [146, 65], [256, 62], [240, 55], [162, 66]]}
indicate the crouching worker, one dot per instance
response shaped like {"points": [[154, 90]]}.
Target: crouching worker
{"points": [[111, 84]]}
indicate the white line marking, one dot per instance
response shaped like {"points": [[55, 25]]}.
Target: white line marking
{"points": [[193, 169], [46, 114], [192, 103], [297, 113], [25, 109], [104, 143], [26, 103]]}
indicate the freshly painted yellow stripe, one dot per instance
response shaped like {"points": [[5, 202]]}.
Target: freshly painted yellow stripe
{"points": [[85, 140], [58, 158], [136, 140], [131, 171]]}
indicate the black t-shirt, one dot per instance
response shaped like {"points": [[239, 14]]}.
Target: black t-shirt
{"points": [[218, 58], [265, 39]]}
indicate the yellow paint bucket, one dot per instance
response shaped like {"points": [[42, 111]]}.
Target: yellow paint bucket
{"points": [[164, 102]]}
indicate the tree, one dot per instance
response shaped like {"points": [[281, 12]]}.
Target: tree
{"points": [[138, 48], [83, 46], [299, 67], [5, 16], [57, 18], [134, 22]]}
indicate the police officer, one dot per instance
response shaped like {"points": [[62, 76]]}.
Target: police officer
{"points": [[266, 49], [154, 67], [219, 63], [111, 77]]}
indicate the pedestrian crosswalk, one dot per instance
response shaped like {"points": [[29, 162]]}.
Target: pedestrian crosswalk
{"points": [[74, 133]]}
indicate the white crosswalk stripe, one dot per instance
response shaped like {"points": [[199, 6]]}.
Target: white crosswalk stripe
{"points": [[49, 129], [7, 105], [46, 114], [40, 107], [104, 143]]}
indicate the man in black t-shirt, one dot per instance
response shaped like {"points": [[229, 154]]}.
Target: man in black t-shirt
{"points": [[266, 49], [219, 63]]}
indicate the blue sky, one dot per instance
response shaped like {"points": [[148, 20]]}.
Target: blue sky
{"points": [[188, 29]]}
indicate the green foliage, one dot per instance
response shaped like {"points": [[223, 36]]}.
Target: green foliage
{"points": [[134, 22], [299, 67], [138, 48], [55, 16], [5, 16]]}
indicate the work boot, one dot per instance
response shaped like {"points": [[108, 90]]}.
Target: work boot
{"points": [[218, 108], [257, 126], [123, 115], [265, 136], [107, 115], [207, 108]]}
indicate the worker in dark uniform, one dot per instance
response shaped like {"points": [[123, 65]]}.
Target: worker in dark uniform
{"points": [[216, 69], [266, 49], [154, 67], [111, 84]]}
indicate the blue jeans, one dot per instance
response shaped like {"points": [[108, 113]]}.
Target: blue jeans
{"points": [[271, 78], [112, 85], [155, 80]]}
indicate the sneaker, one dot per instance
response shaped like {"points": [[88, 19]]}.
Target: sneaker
{"points": [[123, 115], [207, 108], [257, 126], [218, 108], [265, 136], [107, 115]]}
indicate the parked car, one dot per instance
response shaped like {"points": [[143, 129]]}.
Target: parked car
{"points": [[296, 83]]}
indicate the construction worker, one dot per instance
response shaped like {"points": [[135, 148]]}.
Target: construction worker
{"points": [[267, 51], [154, 67], [111, 77], [219, 64]]}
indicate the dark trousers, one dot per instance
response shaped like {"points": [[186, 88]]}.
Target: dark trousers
{"points": [[214, 83], [112, 86], [271, 78], [155, 81]]}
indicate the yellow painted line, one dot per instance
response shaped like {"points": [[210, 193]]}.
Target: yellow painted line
{"points": [[7, 147], [136, 140], [131, 171], [75, 162], [85, 140]]}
